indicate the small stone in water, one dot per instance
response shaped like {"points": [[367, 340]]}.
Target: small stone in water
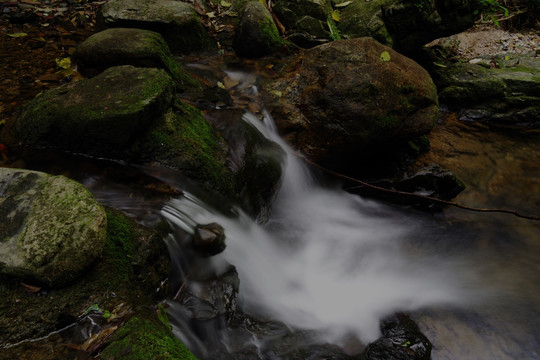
{"points": [[209, 239]]}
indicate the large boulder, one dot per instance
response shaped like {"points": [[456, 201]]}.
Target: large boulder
{"points": [[101, 115], [502, 90], [128, 46], [175, 20], [256, 33], [52, 229], [351, 100]]}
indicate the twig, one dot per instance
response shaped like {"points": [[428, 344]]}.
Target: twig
{"points": [[418, 196]]}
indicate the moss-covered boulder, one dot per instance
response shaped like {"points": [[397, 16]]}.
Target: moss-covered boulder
{"points": [[176, 21], [499, 90], [130, 272], [351, 100], [256, 32], [147, 336], [129, 46], [184, 140], [101, 115], [52, 229]]}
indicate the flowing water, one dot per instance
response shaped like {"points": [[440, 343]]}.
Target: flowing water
{"points": [[338, 263]]}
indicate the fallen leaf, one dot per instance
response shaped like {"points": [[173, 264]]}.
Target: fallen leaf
{"points": [[385, 56], [31, 288], [225, 4], [211, 15], [343, 4], [336, 15], [17, 35], [64, 63]]}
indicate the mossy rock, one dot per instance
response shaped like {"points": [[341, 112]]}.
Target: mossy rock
{"points": [[133, 265], [493, 92], [184, 140], [128, 46], [256, 33], [147, 336], [99, 116], [176, 21], [52, 228]]}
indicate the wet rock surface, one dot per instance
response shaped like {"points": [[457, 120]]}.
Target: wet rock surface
{"points": [[401, 340], [209, 239]]}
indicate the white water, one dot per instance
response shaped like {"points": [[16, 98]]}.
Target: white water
{"points": [[329, 260]]}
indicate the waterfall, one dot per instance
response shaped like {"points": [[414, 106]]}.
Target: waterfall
{"points": [[327, 259]]}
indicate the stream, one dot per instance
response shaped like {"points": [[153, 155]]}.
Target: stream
{"points": [[334, 264]]}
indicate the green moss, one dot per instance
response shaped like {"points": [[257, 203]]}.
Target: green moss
{"points": [[269, 33], [146, 339], [185, 140]]}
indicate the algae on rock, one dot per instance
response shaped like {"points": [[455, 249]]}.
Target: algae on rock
{"points": [[52, 228]]}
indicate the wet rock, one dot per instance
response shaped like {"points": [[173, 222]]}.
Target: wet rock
{"points": [[256, 33], [101, 115], [141, 48], [338, 121], [401, 340], [209, 239], [212, 298], [176, 21], [256, 161], [501, 89], [52, 228], [432, 181]]}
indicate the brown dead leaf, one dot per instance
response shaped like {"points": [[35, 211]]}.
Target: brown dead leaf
{"points": [[31, 288]]}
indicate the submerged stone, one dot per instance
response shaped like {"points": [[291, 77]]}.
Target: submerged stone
{"points": [[128, 46], [52, 228]]}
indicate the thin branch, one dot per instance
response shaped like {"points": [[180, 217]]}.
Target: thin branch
{"points": [[418, 196]]}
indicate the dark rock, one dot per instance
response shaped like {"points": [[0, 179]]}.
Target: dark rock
{"points": [[384, 100], [401, 340], [209, 239], [256, 33], [255, 160], [432, 181], [413, 24], [209, 299]]}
